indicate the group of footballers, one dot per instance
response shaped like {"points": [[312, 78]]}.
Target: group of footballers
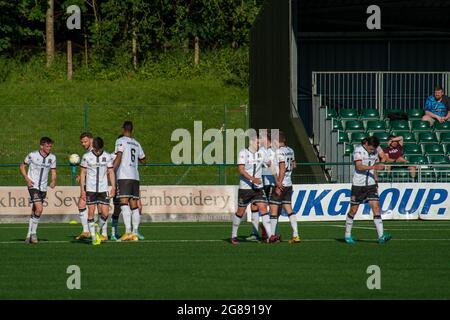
{"points": [[97, 168], [265, 169]]}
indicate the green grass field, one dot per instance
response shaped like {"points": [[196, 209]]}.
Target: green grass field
{"points": [[195, 261]]}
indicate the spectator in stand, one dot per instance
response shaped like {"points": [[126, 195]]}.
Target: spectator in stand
{"points": [[393, 153], [437, 107]]}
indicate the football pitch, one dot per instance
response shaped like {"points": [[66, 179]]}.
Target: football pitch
{"points": [[196, 261]]}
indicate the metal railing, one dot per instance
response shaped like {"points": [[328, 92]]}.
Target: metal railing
{"points": [[378, 89]]}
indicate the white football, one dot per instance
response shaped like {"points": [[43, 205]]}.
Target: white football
{"points": [[74, 159]]}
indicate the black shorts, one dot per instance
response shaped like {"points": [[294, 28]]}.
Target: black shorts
{"points": [[361, 194], [36, 195], [268, 190], [247, 196], [284, 198], [97, 198], [128, 188]]}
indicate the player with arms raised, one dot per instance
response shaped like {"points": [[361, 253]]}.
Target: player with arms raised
{"points": [[128, 153], [365, 187], [39, 163]]}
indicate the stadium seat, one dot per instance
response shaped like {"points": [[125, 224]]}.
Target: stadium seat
{"points": [[419, 125], [442, 174], [382, 136], [408, 137], [348, 114], [427, 175], [439, 159], [433, 149], [427, 137], [343, 137], [399, 125], [356, 137], [441, 127], [337, 125], [417, 159], [376, 125], [415, 114], [412, 149], [387, 111], [400, 174], [446, 148], [445, 137], [354, 125], [331, 113], [369, 114], [384, 176], [348, 148]]}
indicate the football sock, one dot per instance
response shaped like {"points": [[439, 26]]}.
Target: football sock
{"points": [[136, 219], [348, 226], [273, 223], [266, 223], [33, 224], [293, 221], [115, 222], [236, 223], [255, 222], [379, 225], [91, 225], [126, 214], [84, 219], [103, 225]]}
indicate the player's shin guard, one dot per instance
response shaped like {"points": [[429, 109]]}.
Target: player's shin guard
{"points": [[348, 226], [103, 225], [136, 219], [84, 219], [91, 225], [379, 225], [126, 214], [255, 222], [266, 223], [236, 223], [273, 223], [293, 221]]}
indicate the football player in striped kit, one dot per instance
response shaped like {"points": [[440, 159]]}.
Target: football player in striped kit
{"points": [[40, 163], [96, 167]]}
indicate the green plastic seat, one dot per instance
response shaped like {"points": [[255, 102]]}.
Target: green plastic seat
{"points": [[439, 159], [399, 125], [445, 137], [415, 114], [331, 113], [417, 159], [337, 125], [400, 174], [427, 176], [427, 137], [387, 111], [383, 145], [446, 147], [348, 148], [442, 174], [442, 127], [384, 176], [343, 137], [368, 114], [419, 125], [408, 137], [348, 114], [433, 149], [376, 125], [412, 149], [382, 136], [354, 125], [356, 137]]}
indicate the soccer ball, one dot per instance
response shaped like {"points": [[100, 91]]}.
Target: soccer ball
{"points": [[74, 159]]}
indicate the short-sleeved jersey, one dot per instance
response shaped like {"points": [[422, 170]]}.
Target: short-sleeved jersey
{"points": [[253, 163], [268, 178], [39, 167], [96, 170], [132, 152], [365, 177], [286, 155]]}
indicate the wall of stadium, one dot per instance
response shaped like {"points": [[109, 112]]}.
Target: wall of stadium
{"points": [[317, 202]]}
